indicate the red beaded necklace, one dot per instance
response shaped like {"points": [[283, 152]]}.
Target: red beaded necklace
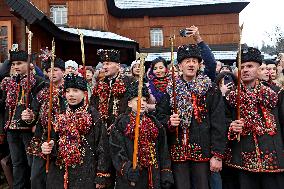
{"points": [[104, 92], [148, 133]]}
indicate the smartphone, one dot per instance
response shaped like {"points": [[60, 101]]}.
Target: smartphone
{"points": [[185, 32], [15, 47], [228, 79]]}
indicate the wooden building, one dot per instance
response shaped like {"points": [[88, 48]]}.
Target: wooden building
{"points": [[17, 14], [147, 22]]}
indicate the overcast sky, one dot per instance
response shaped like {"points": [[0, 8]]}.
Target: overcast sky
{"points": [[260, 17]]}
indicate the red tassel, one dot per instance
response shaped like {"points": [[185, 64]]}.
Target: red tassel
{"points": [[87, 98], [66, 178], [150, 178]]}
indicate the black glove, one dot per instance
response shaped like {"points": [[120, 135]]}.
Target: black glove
{"points": [[133, 174], [166, 185]]}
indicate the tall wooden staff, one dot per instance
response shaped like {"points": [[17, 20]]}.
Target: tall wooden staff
{"points": [[83, 60], [172, 38], [30, 35], [239, 79], [83, 52], [50, 101], [137, 123]]}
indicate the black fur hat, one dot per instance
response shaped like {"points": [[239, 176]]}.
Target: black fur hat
{"points": [[75, 81], [188, 51], [132, 91], [58, 63], [269, 61], [250, 54], [18, 56], [109, 55]]}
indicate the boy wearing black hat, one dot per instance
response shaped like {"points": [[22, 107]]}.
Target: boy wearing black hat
{"points": [[19, 132], [39, 111], [154, 164], [258, 156], [196, 134], [79, 147]]}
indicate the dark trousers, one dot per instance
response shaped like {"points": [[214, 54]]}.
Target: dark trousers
{"points": [[189, 175], [230, 178], [38, 174], [249, 180], [18, 142], [111, 184]]}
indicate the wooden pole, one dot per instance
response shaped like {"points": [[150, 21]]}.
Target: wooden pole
{"points": [[83, 61], [50, 102], [83, 52], [172, 38], [30, 35], [137, 122], [239, 79]]}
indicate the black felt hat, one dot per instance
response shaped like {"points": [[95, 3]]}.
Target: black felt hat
{"points": [[269, 61], [250, 54], [18, 56], [58, 63], [109, 55], [75, 81], [226, 66], [188, 51], [132, 91]]}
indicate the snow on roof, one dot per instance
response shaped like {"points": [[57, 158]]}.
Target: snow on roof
{"points": [[98, 34], [131, 4], [219, 55]]}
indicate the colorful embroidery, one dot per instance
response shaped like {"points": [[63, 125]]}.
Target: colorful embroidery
{"points": [[71, 127], [191, 152], [250, 161], [148, 133], [191, 98], [104, 92], [13, 85], [43, 98], [261, 98], [15, 88]]}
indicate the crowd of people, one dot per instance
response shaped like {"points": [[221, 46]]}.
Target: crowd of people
{"points": [[196, 131]]}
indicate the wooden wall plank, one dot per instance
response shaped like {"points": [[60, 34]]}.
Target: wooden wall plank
{"points": [[93, 14]]}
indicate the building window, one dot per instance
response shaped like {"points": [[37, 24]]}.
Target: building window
{"points": [[5, 39], [156, 37], [58, 14]]}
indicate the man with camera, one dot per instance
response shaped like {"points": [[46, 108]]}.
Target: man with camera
{"points": [[196, 131]]}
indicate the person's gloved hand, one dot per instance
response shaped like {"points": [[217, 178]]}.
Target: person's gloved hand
{"points": [[133, 175], [166, 185]]}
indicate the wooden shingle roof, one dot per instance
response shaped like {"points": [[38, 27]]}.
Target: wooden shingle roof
{"points": [[26, 10]]}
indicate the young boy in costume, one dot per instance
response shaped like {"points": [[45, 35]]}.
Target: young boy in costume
{"points": [[154, 165], [79, 148]]}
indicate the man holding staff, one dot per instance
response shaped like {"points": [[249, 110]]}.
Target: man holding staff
{"points": [[258, 155]]}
